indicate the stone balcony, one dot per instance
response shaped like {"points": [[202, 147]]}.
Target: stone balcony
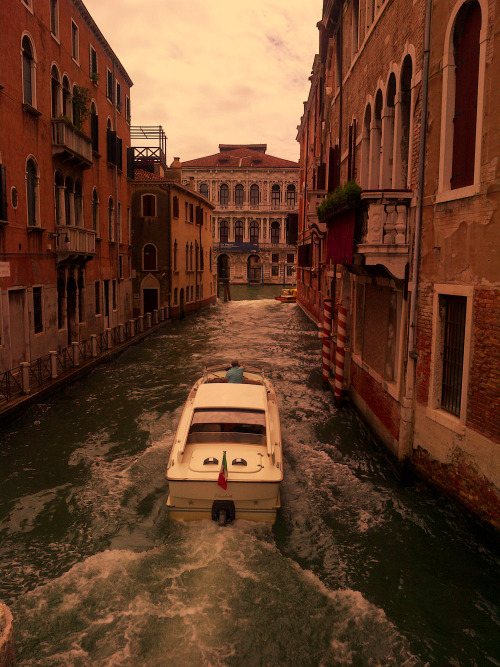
{"points": [[74, 241], [70, 143], [382, 236]]}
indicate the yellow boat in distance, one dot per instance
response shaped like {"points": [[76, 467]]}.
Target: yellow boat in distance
{"points": [[288, 295]]}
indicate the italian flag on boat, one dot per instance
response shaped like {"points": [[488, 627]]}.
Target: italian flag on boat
{"points": [[222, 481]]}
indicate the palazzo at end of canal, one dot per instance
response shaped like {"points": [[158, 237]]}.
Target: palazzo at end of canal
{"points": [[358, 569]]}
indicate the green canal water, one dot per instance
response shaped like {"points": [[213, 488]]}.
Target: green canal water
{"points": [[359, 569]]}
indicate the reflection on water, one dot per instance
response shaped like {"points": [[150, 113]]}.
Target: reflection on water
{"points": [[357, 570]]}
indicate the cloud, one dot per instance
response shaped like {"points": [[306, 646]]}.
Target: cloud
{"points": [[215, 71]]}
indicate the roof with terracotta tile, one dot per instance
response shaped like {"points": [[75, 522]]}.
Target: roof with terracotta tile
{"points": [[143, 175], [246, 156]]}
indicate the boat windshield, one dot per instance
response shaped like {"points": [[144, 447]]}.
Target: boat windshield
{"points": [[238, 426]]}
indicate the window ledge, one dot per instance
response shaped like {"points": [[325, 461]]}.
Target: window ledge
{"points": [[96, 154], [445, 419], [35, 228], [3, 223], [31, 110], [55, 38], [459, 193]]}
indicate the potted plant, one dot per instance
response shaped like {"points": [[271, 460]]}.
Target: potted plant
{"points": [[95, 78], [81, 106], [343, 197]]}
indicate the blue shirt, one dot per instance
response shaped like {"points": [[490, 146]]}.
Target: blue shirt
{"points": [[235, 374]]}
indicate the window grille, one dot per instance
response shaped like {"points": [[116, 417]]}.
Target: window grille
{"points": [[454, 311]]}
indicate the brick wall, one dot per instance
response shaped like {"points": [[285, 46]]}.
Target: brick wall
{"points": [[483, 406], [383, 406]]}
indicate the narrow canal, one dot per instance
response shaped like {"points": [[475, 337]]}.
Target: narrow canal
{"points": [[359, 569]]}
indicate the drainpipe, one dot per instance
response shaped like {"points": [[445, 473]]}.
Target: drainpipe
{"points": [[117, 222], [407, 411]]}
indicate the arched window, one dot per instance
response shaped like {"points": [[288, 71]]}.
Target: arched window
{"points": [[239, 195], [77, 119], [224, 194], [204, 190], [59, 197], [32, 192], [291, 195], [94, 127], [275, 232], [148, 205], [55, 92], [365, 149], [69, 201], [111, 220], [78, 204], [29, 79], [224, 232], [254, 231], [149, 257], [402, 153], [275, 195], [95, 211], [466, 50], [66, 98], [254, 195], [239, 229], [388, 134], [376, 142]]}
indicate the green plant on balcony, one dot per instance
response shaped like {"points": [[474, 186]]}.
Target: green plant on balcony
{"points": [[81, 106], [95, 78], [343, 197]]}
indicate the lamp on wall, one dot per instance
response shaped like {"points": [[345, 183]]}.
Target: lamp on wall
{"points": [[56, 235]]}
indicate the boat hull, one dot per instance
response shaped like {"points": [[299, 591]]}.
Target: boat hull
{"points": [[253, 501]]}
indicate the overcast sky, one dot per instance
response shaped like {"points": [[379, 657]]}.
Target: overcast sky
{"points": [[215, 71]]}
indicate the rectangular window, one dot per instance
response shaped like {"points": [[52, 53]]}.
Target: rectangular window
{"points": [[186, 211], [93, 64], [129, 226], [275, 271], [54, 17], [127, 108], [118, 96], [114, 294], [119, 154], [37, 309], [275, 258], [97, 286], [175, 207], [75, 42], [191, 213], [453, 311], [109, 84], [290, 258], [175, 296]]}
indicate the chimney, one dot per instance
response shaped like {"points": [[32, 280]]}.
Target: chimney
{"points": [[191, 182], [175, 170]]}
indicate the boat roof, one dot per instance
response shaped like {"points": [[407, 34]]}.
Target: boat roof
{"points": [[231, 395]]}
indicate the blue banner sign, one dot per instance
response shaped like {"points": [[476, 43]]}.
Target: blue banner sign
{"points": [[238, 247]]}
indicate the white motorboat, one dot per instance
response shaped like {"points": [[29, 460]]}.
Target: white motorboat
{"points": [[226, 461]]}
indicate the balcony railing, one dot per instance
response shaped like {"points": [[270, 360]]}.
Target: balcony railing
{"points": [[74, 240], [71, 143], [382, 236]]}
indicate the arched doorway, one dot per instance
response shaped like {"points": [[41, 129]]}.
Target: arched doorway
{"points": [[254, 269], [150, 289], [223, 267], [71, 311]]}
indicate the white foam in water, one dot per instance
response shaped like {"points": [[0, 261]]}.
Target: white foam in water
{"points": [[206, 595]]}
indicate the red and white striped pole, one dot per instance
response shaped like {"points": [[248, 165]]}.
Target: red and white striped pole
{"points": [[340, 354], [327, 338]]}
